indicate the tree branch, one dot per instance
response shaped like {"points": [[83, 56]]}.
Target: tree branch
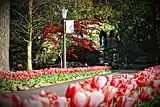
{"points": [[25, 40], [19, 26], [22, 16]]}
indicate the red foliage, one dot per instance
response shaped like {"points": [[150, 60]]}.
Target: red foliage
{"points": [[54, 34]]}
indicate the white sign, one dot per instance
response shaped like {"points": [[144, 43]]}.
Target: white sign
{"points": [[69, 26]]}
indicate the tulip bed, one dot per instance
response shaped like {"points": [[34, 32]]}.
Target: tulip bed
{"points": [[139, 90], [22, 80]]}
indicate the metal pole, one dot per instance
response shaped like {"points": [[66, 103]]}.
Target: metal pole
{"points": [[64, 46]]}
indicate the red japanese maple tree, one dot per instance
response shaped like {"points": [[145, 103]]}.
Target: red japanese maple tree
{"points": [[54, 35]]}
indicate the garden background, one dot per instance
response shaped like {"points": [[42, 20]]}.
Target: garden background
{"points": [[107, 34]]}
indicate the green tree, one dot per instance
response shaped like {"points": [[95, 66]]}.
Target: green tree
{"points": [[123, 14]]}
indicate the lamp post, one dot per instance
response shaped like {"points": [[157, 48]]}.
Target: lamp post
{"points": [[64, 15]]}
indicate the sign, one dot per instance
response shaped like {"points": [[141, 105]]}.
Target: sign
{"points": [[69, 26]]}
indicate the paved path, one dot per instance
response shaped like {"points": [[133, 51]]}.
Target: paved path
{"points": [[61, 88]]}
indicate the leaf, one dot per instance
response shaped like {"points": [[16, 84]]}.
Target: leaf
{"points": [[68, 44], [129, 27], [45, 45]]}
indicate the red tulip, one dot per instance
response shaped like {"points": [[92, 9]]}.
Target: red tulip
{"points": [[44, 100], [9, 100], [126, 101], [41, 102], [96, 98], [133, 81], [120, 92], [23, 75], [42, 93], [80, 99], [158, 89], [131, 100], [60, 102], [156, 83], [99, 82], [51, 96], [109, 77], [86, 87], [122, 84], [146, 94], [130, 87], [107, 104], [114, 82], [109, 92], [72, 88], [141, 81]]}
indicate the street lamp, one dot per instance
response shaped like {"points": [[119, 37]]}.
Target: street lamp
{"points": [[64, 15]]}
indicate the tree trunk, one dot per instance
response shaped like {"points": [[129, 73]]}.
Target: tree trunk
{"points": [[30, 31], [29, 50], [61, 61], [4, 34]]}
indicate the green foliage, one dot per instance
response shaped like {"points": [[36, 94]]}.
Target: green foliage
{"points": [[131, 14], [128, 18], [18, 53]]}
